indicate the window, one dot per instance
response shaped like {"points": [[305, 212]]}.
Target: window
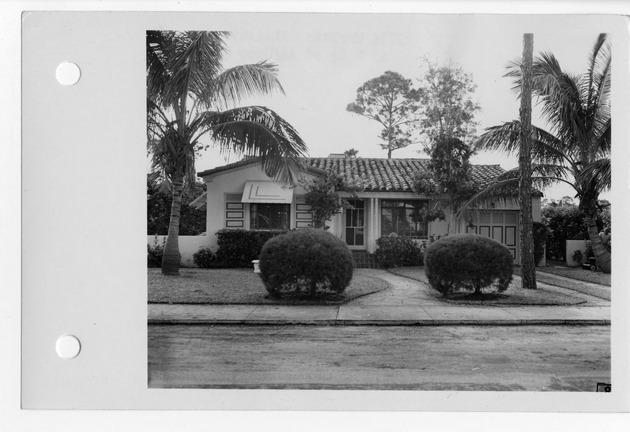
{"points": [[269, 216], [402, 218]]}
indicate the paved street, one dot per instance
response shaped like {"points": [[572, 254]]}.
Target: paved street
{"points": [[518, 358]]}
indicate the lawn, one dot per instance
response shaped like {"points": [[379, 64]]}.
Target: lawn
{"points": [[240, 286], [561, 269], [514, 295]]}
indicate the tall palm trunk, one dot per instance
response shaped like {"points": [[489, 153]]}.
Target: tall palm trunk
{"points": [[601, 253], [528, 266], [171, 257]]}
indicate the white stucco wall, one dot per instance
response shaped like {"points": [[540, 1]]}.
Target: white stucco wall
{"points": [[233, 182], [188, 245]]}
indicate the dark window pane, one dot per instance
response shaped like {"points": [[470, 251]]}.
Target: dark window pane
{"points": [[397, 216], [269, 216]]}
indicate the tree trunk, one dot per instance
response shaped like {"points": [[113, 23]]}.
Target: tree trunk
{"points": [[171, 257], [601, 253], [528, 265]]}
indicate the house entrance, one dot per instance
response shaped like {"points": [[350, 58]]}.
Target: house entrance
{"points": [[355, 224]]}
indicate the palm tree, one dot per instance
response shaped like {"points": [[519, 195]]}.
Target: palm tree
{"points": [[189, 96], [576, 149]]}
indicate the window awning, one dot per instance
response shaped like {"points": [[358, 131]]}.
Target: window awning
{"points": [[266, 192]]}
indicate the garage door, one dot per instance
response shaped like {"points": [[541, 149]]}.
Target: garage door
{"points": [[501, 226]]}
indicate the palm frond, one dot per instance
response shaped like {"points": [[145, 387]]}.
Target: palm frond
{"points": [[505, 187], [602, 140], [233, 84], [546, 148], [193, 61], [260, 132], [598, 174], [595, 64], [157, 72]]}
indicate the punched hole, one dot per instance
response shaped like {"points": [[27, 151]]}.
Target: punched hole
{"points": [[68, 73], [68, 347]]}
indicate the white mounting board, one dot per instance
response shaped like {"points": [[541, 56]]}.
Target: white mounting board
{"points": [[84, 215]]}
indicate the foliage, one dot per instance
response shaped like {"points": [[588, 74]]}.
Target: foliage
{"points": [[390, 100], [449, 111], [588, 253], [398, 252], [576, 149], [204, 258], [190, 96], [306, 262], [154, 253], [321, 194], [351, 153], [238, 248], [565, 222], [540, 231], [159, 197], [447, 182], [468, 262]]}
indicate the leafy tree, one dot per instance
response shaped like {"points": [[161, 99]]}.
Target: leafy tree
{"points": [[321, 194], [448, 109], [447, 182], [351, 153], [159, 197], [576, 149], [189, 96], [390, 100]]}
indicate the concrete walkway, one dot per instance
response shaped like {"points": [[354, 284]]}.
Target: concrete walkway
{"points": [[402, 304]]}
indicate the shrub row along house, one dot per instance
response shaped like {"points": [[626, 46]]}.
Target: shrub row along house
{"points": [[241, 196]]}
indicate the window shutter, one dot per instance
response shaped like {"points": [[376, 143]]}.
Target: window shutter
{"points": [[234, 211], [303, 219]]}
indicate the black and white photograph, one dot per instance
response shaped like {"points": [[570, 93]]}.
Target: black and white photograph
{"points": [[384, 202]]}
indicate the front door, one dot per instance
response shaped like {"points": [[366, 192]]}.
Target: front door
{"points": [[355, 224]]}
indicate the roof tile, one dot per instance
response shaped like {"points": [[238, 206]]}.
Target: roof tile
{"points": [[378, 175]]}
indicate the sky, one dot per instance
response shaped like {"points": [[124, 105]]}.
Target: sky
{"points": [[322, 60]]}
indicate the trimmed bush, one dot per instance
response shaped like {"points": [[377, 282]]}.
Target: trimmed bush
{"points": [[238, 248], [398, 252], [468, 262], [204, 258], [306, 262]]}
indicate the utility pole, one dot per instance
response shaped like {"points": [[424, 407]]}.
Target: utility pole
{"points": [[528, 266]]}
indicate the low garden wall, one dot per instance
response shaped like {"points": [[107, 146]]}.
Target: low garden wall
{"points": [[572, 246], [188, 245]]}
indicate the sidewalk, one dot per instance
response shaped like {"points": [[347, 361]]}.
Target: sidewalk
{"points": [[402, 304]]}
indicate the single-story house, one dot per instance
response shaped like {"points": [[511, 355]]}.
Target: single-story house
{"points": [[240, 196]]}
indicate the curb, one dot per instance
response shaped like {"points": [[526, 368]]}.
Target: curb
{"points": [[381, 323]]}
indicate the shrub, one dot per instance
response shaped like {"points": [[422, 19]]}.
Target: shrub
{"points": [[306, 262], [398, 252], [565, 222], [238, 248], [468, 262], [155, 253], [540, 239], [204, 258]]}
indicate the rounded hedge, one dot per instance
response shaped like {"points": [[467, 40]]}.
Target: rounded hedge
{"points": [[306, 262], [468, 262]]}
